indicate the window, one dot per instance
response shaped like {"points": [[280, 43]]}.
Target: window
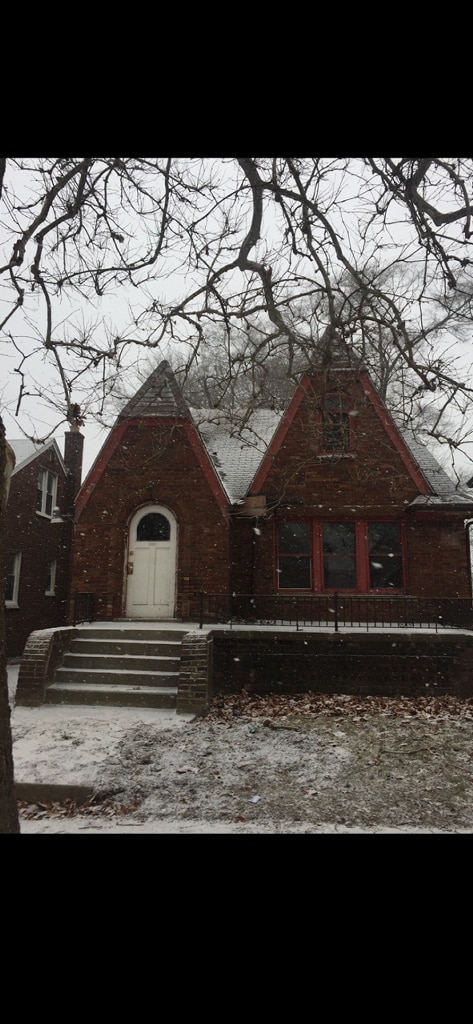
{"points": [[294, 556], [336, 424], [12, 579], [153, 526], [46, 493], [325, 556], [51, 579], [385, 556], [339, 556]]}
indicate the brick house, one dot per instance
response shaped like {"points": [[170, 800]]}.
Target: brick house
{"points": [[38, 538], [188, 511]]}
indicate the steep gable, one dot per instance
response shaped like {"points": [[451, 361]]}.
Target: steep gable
{"points": [[158, 403], [26, 451], [421, 468], [237, 450], [160, 395]]}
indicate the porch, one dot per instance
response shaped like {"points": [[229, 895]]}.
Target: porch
{"points": [[332, 612], [95, 662]]}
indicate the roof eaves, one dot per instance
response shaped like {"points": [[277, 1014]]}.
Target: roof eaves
{"points": [[21, 463]]}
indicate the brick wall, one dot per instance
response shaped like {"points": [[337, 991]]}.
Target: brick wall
{"points": [[42, 654], [438, 559], [39, 542], [394, 663], [370, 480], [195, 673], [152, 465]]}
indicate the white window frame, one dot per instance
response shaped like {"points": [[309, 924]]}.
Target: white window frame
{"points": [[42, 488], [13, 601], [51, 578]]}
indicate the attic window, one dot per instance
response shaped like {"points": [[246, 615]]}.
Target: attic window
{"points": [[336, 424]]}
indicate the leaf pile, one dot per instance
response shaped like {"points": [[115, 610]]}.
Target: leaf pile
{"points": [[93, 806], [274, 706]]}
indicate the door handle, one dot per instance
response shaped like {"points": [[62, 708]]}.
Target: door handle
{"points": [[129, 569]]}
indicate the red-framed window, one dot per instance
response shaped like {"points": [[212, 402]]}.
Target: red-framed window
{"points": [[348, 555]]}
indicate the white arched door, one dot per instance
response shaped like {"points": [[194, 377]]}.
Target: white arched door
{"points": [[151, 568]]}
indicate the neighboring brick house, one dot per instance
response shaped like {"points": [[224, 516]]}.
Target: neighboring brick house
{"points": [[38, 532], [184, 506]]}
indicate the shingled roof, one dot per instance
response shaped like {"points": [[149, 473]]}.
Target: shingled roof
{"points": [[26, 450], [236, 452], [237, 442], [160, 395]]}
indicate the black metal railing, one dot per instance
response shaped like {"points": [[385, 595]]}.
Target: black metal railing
{"points": [[84, 608], [89, 606], [336, 610], [333, 610]]}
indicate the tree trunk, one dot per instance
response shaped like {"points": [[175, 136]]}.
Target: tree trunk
{"points": [[9, 820]]}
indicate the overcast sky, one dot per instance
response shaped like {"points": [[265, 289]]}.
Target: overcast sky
{"points": [[37, 416]]}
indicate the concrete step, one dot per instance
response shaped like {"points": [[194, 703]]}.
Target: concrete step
{"points": [[144, 648], [117, 635], [130, 667], [112, 695], [125, 661], [120, 676]]}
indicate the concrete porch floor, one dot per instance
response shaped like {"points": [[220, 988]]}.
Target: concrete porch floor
{"points": [[173, 624]]}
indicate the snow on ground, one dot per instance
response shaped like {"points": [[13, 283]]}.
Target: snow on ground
{"points": [[279, 765]]}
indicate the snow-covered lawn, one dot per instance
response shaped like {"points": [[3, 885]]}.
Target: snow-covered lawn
{"points": [[309, 764]]}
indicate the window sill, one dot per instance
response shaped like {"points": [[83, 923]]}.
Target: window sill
{"points": [[11, 604], [43, 515], [335, 456], [49, 593], [344, 593]]}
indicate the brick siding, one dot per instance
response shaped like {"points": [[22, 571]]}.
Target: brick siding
{"points": [[153, 465], [40, 542], [42, 654]]}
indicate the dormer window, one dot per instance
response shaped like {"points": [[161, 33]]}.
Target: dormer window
{"points": [[336, 424]]}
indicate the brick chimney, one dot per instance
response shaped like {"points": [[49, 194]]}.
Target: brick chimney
{"points": [[73, 448]]}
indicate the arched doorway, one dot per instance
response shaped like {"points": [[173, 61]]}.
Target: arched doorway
{"points": [[151, 568]]}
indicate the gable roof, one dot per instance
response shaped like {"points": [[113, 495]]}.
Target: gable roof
{"points": [[160, 395], [439, 480], [236, 444], [239, 445], [26, 450]]}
